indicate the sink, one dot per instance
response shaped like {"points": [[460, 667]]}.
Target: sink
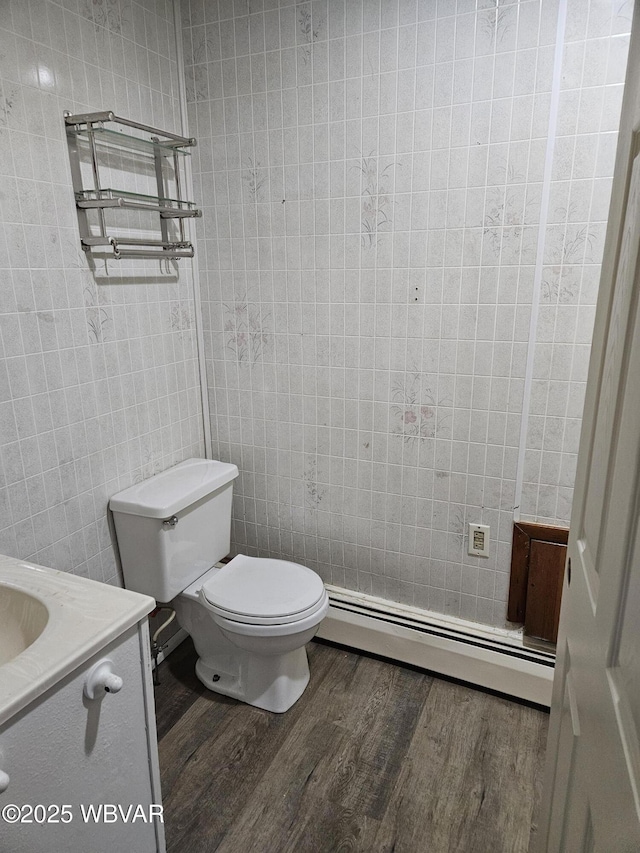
{"points": [[51, 622], [67, 641], [22, 619]]}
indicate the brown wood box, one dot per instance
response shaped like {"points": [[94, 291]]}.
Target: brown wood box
{"points": [[537, 574]]}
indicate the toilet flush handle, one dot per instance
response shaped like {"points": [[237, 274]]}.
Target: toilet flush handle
{"points": [[170, 522]]}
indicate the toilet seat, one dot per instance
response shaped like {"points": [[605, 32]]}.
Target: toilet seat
{"points": [[261, 592], [278, 629]]}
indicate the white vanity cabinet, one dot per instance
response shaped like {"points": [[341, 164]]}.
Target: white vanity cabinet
{"points": [[78, 775], [67, 750]]}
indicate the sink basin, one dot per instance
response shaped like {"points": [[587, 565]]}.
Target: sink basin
{"points": [[22, 619], [51, 622]]}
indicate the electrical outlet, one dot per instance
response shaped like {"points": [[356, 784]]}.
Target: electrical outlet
{"points": [[479, 540]]}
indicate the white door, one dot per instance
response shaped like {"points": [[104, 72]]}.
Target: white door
{"points": [[591, 800]]}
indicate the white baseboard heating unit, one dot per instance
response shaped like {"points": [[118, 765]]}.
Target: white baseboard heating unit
{"points": [[492, 658]]}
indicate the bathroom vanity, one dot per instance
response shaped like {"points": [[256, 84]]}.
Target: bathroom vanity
{"points": [[78, 749]]}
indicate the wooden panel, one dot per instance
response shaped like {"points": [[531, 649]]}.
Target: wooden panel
{"points": [[527, 536], [545, 532], [517, 605], [544, 589]]}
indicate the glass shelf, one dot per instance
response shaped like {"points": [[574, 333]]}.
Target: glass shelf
{"points": [[116, 139], [134, 201], [87, 130]]}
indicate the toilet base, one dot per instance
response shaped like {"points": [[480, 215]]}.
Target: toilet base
{"points": [[273, 683]]}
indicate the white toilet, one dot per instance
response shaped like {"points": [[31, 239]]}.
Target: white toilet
{"points": [[249, 619]]}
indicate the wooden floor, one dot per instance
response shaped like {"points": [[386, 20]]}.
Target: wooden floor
{"points": [[373, 757]]}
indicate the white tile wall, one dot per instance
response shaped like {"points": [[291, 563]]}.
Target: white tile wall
{"points": [[371, 176], [594, 63], [98, 376]]}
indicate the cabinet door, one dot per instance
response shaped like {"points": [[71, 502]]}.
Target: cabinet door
{"points": [[544, 589], [537, 571], [64, 749]]}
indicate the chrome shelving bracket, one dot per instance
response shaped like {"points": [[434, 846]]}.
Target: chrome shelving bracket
{"points": [[162, 146]]}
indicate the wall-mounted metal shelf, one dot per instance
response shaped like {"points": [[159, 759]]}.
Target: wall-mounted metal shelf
{"points": [[168, 208], [124, 140], [87, 134]]}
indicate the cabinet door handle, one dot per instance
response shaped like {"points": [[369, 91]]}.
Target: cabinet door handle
{"points": [[569, 572], [102, 679]]}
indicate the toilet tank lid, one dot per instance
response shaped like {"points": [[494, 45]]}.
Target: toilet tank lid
{"points": [[167, 493]]}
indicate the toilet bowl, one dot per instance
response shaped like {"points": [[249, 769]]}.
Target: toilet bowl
{"points": [[257, 655], [249, 619]]}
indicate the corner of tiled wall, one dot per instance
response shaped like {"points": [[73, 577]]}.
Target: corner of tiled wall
{"points": [[371, 175]]}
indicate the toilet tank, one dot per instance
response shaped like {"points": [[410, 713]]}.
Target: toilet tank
{"points": [[173, 527]]}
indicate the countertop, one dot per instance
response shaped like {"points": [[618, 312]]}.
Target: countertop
{"points": [[84, 616]]}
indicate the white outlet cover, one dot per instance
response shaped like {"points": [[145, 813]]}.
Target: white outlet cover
{"points": [[479, 540]]}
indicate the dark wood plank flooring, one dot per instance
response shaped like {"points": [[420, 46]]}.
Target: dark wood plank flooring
{"points": [[374, 757]]}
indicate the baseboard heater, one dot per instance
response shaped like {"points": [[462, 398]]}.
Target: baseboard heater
{"points": [[489, 658]]}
